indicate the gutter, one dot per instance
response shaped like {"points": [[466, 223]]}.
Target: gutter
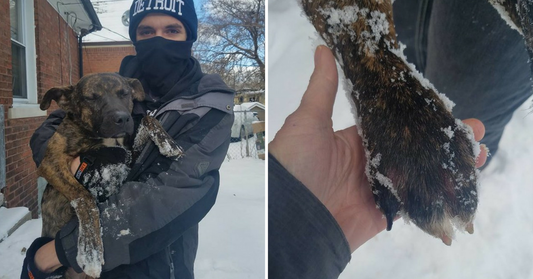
{"points": [[96, 26]]}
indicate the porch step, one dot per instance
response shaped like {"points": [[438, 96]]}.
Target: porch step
{"points": [[11, 219]]}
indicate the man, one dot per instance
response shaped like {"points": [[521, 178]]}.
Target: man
{"points": [[163, 200]]}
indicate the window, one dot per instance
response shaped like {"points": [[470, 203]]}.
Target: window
{"points": [[18, 50], [23, 60]]}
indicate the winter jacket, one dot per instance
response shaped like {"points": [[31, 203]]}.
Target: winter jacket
{"points": [[304, 240], [150, 228]]}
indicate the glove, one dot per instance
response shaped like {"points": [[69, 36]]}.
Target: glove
{"points": [[103, 170], [30, 270]]}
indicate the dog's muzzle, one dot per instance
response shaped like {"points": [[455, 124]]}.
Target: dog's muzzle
{"points": [[116, 124]]}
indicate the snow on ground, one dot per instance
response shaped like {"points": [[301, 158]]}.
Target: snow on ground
{"points": [[502, 245], [13, 249], [9, 220], [232, 235]]}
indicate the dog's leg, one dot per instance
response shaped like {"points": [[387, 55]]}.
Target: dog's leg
{"points": [[56, 170], [420, 160], [151, 129]]}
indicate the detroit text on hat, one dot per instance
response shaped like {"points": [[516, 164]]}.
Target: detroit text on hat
{"points": [[166, 5]]}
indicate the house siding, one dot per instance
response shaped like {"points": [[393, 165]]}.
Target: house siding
{"points": [[57, 65]]}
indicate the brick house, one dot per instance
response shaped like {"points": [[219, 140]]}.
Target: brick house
{"points": [[105, 56], [40, 48]]}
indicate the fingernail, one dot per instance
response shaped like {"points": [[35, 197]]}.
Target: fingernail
{"points": [[318, 54]]}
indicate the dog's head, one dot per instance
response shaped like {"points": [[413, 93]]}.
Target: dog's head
{"points": [[101, 103]]}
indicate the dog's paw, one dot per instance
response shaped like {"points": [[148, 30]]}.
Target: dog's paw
{"points": [[90, 247], [151, 129], [420, 160]]}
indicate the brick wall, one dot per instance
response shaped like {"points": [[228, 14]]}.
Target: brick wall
{"points": [[57, 64], [6, 94], [99, 58]]}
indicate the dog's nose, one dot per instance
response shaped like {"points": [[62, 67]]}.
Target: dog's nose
{"points": [[121, 118]]}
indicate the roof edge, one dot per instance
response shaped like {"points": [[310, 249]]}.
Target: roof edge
{"points": [[96, 25]]}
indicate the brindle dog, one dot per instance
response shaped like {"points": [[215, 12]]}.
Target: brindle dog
{"points": [[421, 161], [98, 112]]}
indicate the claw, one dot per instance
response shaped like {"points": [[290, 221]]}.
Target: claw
{"points": [[470, 228], [446, 240]]}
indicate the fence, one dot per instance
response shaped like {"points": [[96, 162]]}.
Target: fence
{"points": [[247, 137]]}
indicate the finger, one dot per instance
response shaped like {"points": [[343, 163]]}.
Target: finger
{"points": [[477, 126], [320, 94], [482, 157]]}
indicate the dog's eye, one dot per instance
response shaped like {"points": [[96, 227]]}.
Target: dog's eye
{"points": [[91, 97], [123, 93]]}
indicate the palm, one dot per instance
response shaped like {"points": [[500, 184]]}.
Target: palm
{"points": [[332, 165]]}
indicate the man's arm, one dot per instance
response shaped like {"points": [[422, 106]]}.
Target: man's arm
{"points": [[39, 139]]}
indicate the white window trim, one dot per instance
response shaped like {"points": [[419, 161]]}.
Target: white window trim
{"points": [[28, 107]]}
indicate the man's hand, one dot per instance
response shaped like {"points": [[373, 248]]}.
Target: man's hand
{"points": [[332, 164]]}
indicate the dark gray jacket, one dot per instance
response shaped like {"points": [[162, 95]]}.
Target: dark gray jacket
{"points": [[304, 240], [150, 228]]}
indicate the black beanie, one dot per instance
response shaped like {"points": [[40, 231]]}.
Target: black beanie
{"points": [[183, 10]]}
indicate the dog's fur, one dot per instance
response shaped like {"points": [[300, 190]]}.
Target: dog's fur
{"points": [[98, 112], [421, 161]]}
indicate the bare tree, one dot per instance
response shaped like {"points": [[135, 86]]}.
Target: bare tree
{"points": [[232, 41]]}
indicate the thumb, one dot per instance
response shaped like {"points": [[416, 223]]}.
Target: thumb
{"points": [[320, 94]]}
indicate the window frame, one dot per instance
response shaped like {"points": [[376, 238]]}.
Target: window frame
{"points": [[28, 106]]}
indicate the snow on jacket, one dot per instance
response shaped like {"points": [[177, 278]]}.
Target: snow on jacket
{"points": [[150, 228]]}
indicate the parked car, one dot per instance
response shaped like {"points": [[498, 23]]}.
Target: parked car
{"points": [[242, 125]]}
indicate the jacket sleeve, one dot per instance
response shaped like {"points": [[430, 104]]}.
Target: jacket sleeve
{"points": [[304, 240], [165, 197], [39, 139]]}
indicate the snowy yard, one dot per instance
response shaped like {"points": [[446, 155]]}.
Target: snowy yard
{"points": [[502, 245], [232, 235]]}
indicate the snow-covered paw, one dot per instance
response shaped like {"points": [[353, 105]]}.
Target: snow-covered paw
{"points": [[90, 247], [423, 168]]}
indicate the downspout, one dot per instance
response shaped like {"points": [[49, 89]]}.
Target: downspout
{"points": [[83, 33]]}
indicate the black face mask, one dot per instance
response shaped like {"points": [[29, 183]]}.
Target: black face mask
{"points": [[163, 62]]}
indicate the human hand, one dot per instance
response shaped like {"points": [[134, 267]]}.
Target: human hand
{"points": [[332, 164], [41, 260]]}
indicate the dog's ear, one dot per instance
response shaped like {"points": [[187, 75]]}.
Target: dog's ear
{"points": [[138, 91], [57, 94]]}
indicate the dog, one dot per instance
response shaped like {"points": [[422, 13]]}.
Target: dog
{"points": [[98, 113], [434, 187]]}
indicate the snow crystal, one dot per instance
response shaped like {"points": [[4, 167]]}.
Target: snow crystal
{"points": [[417, 75], [376, 160], [476, 149], [497, 4], [387, 182], [448, 131], [107, 180], [341, 20], [124, 232]]}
